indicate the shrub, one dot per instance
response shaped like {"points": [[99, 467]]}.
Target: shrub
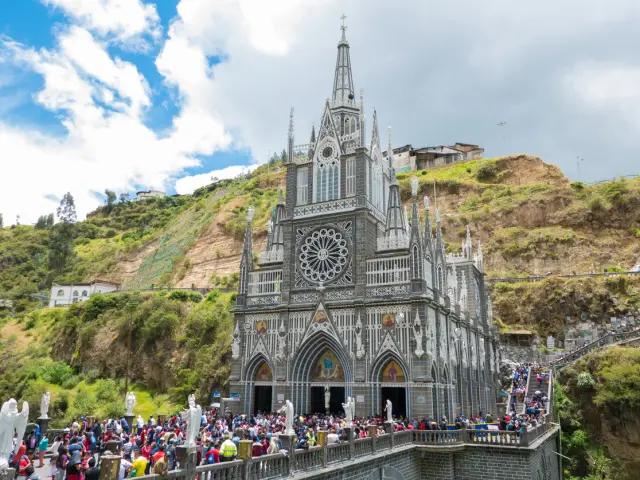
{"points": [[585, 381], [57, 372], [487, 172], [185, 296]]}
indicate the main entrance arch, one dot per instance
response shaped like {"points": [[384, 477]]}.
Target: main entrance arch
{"points": [[321, 375], [390, 382], [260, 391]]}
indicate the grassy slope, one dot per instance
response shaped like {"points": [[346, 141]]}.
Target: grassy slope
{"points": [[530, 219]]}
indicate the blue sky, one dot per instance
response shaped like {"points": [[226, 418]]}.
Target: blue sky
{"points": [[98, 94]]}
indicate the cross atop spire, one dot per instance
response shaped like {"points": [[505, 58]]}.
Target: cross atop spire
{"points": [[343, 92]]}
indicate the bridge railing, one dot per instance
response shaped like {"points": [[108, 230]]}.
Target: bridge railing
{"points": [[608, 338], [284, 464]]}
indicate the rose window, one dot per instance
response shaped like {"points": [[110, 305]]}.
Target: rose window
{"points": [[323, 255]]}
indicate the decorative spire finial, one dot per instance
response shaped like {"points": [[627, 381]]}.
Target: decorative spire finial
{"points": [[414, 186]]}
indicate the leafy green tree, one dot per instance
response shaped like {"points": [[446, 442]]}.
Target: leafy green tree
{"points": [[124, 198], [62, 235], [67, 209], [111, 199], [45, 221]]}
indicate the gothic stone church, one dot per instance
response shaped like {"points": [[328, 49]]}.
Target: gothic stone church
{"points": [[355, 297]]}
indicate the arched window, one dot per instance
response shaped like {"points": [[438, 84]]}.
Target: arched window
{"points": [[440, 279], [84, 293], [75, 293], [327, 173], [61, 293]]}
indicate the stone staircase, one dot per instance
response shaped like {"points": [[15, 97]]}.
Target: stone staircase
{"points": [[610, 338]]}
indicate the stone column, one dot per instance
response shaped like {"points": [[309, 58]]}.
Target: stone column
{"points": [[322, 442], [372, 431], [129, 419], [289, 444], [389, 428], [113, 446], [109, 467], [188, 458], [349, 434]]}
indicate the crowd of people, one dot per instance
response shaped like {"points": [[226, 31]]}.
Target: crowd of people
{"points": [[150, 446]]}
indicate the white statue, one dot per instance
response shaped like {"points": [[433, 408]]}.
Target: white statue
{"points": [[235, 345], [349, 410], [129, 403], [287, 409], [389, 409], [12, 424], [44, 405], [417, 335], [192, 416], [359, 345], [327, 399]]}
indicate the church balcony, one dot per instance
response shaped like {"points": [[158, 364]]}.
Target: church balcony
{"points": [[332, 206], [264, 287], [388, 271], [271, 256], [393, 242]]}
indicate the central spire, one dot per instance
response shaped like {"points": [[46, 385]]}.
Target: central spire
{"points": [[343, 92]]}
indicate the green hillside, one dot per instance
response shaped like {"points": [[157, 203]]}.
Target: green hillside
{"points": [[528, 216]]}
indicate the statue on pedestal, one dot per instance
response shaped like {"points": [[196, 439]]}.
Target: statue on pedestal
{"points": [[417, 335], [327, 399], [44, 405], [235, 344], [287, 409], [389, 410], [192, 415], [359, 345], [129, 403], [349, 410], [12, 424]]}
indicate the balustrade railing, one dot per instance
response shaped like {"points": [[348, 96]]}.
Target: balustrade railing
{"points": [[337, 452], [282, 465], [309, 458], [608, 338]]}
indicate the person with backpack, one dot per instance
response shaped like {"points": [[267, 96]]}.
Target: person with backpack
{"points": [[213, 454]]}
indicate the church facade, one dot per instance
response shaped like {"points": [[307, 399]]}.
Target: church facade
{"points": [[354, 295]]}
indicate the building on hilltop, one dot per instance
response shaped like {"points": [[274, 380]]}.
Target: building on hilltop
{"points": [[407, 158], [64, 295], [144, 194], [353, 295]]}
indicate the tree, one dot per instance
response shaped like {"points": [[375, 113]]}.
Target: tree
{"points": [[45, 221], [62, 235], [111, 199], [124, 197], [67, 209]]}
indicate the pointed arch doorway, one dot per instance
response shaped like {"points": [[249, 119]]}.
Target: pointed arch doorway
{"points": [[321, 375], [262, 388], [391, 382]]}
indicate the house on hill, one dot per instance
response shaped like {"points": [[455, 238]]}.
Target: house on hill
{"points": [[407, 158], [64, 295]]}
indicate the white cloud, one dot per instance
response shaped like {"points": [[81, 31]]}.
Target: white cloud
{"points": [[188, 184], [125, 21], [604, 84]]}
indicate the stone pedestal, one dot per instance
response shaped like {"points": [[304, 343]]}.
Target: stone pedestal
{"points": [[244, 449], [109, 467], [44, 425], [113, 446], [388, 427], [349, 438], [188, 458], [289, 444], [129, 419]]}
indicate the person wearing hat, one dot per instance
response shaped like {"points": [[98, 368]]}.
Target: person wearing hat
{"points": [[228, 450]]}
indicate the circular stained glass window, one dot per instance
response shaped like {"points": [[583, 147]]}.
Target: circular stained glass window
{"points": [[323, 255], [327, 152]]}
